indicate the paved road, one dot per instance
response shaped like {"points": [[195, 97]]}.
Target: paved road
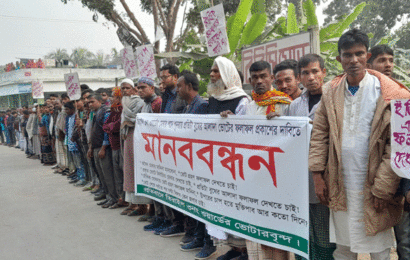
{"points": [[44, 217]]}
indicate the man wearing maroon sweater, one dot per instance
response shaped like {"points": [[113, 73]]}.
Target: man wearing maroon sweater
{"points": [[112, 128]]}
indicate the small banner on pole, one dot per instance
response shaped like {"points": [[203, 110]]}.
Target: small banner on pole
{"points": [[146, 61], [128, 62], [400, 137], [215, 30], [72, 83], [37, 89]]}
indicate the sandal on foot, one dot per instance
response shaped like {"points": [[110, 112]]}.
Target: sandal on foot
{"points": [[136, 212], [126, 211]]}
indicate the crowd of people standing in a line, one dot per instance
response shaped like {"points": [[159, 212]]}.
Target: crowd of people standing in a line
{"points": [[356, 200]]}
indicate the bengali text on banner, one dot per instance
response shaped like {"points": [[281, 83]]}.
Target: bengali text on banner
{"points": [[400, 137], [245, 175]]}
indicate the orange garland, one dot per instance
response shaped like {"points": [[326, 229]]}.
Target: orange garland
{"points": [[267, 99]]}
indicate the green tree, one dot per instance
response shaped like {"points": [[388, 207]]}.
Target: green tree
{"points": [[81, 57], [100, 59], [379, 16], [58, 55], [115, 57], [403, 34]]}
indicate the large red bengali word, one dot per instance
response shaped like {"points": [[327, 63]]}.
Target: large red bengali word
{"points": [[186, 151]]}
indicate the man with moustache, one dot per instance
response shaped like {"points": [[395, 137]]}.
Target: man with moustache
{"points": [[382, 59], [271, 103], [311, 74], [171, 103], [226, 97], [350, 154]]}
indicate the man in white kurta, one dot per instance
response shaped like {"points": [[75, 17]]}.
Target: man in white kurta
{"points": [[347, 228], [350, 154], [270, 103]]}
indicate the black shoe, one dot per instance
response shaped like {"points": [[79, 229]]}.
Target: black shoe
{"points": [[101, 197], [243, 256], [173, 231], [186, 239], [108, 204], [229, 255], [207, 251], [73, 181], [157, 222], [164, 226], [102, 202], [196, 244]]}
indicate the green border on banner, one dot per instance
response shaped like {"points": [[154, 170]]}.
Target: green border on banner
{"points": [[296, 242]]}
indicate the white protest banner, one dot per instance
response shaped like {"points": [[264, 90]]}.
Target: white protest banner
{"points": [[146, 61], [400, 137], [37, 89], [72, 83], [215, 30], [128, 62], [245, 175], [292, 47]]}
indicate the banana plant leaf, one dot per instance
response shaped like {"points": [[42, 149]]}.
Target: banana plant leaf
{"points": [[291, 24], [236, 26], [253, 28], [336, 29], [309, 9]]}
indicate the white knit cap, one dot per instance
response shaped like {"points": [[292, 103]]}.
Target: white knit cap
{"points": [[129, 81]]}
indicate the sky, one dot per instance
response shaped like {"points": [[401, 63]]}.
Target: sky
{"points": [[33, 28]]}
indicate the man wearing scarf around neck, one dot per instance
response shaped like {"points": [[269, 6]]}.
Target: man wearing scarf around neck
{"points": [[131, 106], [270, 102]]}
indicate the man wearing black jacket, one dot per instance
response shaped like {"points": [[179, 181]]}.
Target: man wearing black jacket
{"points": [[171, 103]]}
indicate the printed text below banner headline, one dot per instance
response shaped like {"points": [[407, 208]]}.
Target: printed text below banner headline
{"points": [[246, 175]]}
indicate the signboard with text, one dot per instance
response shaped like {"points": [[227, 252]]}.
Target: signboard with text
{"points": [[216, 36], [400, 137], [72, 83], [37, 89], [238, 174], [128, 62], [146, 61], [292, 47]]}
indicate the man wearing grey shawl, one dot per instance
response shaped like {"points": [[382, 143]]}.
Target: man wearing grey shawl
{"points": [[33, 133], [132, 104]]}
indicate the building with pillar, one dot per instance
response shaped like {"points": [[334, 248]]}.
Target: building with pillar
{"points": [[15, 86]]}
